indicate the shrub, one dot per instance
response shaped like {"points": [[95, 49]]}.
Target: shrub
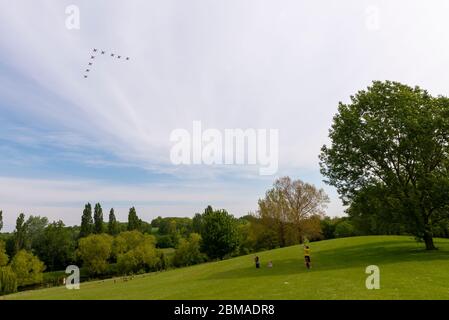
{"points": [[129, 240], [54, 278], [219, 233], [8, 280], [28, 268], [3, 256], [188, 252], [165, 241], [140, 256], [344, 229], [95, 251]]}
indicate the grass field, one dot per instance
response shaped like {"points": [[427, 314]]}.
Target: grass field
{"points": [[407, 271]]}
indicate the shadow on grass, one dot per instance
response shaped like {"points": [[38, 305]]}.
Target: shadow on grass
{"points": [[361, 255]]}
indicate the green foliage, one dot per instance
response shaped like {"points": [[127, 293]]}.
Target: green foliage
{"points": [[146, 227], [167, 226], [98, 219], [371, 214], [54, 278], [196, 223], [172, 225], [394, 138], [344, 229], [134, 223], [86, 221], [28, 268], [135, 251], [20, 233], [328, 227], [188, 251], [247, 239], [1, 220], [57, 246], [255, 235], [3, 256], [95, 251], [127, 241], [8, 280], [164, 261], [442, 229], [113, 227], [155, 223], [167, 241], [219, 233], [33, 229]]}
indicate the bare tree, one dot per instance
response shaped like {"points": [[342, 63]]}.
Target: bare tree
{"points": [[292, 203]]}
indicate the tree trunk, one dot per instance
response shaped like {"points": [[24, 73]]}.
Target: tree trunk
{"points": [[429, 241]]}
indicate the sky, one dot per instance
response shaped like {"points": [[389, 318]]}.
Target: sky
{"points": [[66, 140]]}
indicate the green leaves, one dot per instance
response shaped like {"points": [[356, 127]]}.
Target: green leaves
{"points": [[135, 252], [188, 251], [113, 227], [28, 268], [57, 246], [219, 233], [98, 219], [134, 223], [395, 136], [3, 256], [86, 221], [8, 280], [95, 251]]}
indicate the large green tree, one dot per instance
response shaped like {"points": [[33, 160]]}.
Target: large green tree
{"points": [[136, 252], [134, 223], [28, 268], [57, 246], [34, 230], [394, 139], [127, 241], [27, 233], [94, 251], [1, 220], [219, 233], [86, 221], [98, 219]]}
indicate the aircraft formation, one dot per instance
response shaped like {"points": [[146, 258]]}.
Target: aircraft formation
{"points": [[98, 53]]}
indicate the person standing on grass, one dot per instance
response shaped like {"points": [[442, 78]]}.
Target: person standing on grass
{"points": [[307, 256], [257, 262]]}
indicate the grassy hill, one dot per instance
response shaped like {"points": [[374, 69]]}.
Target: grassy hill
{"points": [[407, 271]]}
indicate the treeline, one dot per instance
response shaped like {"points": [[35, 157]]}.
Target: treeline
{"points": [[37, 246], [291, 212]]}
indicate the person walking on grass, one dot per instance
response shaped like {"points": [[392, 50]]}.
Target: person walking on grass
{"points": [[307, 256], [256, 259]]}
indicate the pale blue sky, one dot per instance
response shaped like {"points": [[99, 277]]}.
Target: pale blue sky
{"points": [[66, 140]]}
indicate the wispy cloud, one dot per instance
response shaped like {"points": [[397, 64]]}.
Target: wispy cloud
{"points": [[234, 64]]}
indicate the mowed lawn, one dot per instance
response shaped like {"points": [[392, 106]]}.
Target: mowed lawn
{"points": [[407, 271]]}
